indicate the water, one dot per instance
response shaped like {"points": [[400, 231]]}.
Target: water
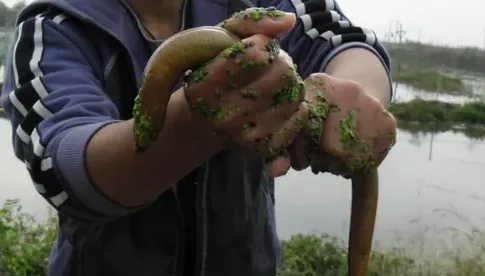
{"points": [[15, 180], [423, 174]]}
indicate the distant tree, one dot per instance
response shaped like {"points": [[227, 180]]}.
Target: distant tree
{"points": [[19, 6], [8, 15]]}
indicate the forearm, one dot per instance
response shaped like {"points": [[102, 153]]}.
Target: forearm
{"points": [[365, 68], [133, 179]]}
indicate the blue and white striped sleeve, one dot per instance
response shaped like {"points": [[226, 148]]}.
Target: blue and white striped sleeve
{"points": [[323, 31], [54, 98]]}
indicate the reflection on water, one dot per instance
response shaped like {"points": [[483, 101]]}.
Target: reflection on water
{"points": [[418, 179]]}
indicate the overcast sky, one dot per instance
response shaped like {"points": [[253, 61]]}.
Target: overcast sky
{"points": [[438, 21]]}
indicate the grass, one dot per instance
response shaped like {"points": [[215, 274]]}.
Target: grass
{"points": [[432, 81], [25, 244]]}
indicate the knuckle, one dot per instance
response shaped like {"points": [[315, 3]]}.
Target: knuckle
{"points": [[388, 123], [391, 124], [352, 88], [259, 40], [314, 77], [317, 79], [258, 48], [353, 85], [286, 58], [256, 55], [290, 94]]}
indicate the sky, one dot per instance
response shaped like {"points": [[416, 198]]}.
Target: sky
{"points": [[449, 22]]}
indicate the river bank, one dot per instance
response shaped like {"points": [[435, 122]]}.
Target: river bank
{"points": [[436, 114]]}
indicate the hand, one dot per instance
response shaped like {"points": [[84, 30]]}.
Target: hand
{"points": [[349, 131], [250, 94]]}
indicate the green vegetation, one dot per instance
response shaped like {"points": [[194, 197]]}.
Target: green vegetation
{"points": [[8, 15], [312, 255], [441, 114], [25, 245], [24, 242], [431, 80], [426, 56]]}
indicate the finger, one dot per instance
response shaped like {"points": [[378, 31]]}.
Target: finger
{"points": [[267, 21], [275, 129], [340, 169], [272, 99], [240, 64], [374, 130], [322, 162], [279, 85], [235, 66], [298, 154], [291, 129], [278, 166], [386, 134]]}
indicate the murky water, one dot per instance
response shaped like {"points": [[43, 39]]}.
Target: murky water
{"points": [[426, 177]]}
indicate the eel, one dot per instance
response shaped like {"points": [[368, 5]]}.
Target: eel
{"points": [[193, 47]]}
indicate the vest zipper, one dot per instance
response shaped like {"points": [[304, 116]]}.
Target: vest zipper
{"points": [[180, 241], [205, 219]]}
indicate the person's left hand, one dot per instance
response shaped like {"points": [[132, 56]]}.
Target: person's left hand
{"points": [[348, 130]]}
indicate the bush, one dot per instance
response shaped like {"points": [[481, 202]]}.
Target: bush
{"points": [[25, 245], [437, 112], [312, 255]]}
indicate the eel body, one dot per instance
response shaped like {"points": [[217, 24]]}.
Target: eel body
{"points": [[193, 47]]}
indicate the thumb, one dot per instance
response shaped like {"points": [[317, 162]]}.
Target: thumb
{"points": [[266, 21]]}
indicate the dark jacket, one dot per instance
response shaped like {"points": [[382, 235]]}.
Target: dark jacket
{"points": [[74, 67]]}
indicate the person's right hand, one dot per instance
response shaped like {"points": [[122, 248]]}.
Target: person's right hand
{"points": [[251, 94]]}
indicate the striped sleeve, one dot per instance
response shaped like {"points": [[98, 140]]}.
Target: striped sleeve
{"points": [[53, 97], [322, 31]]}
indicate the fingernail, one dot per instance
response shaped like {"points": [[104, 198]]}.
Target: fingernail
{"points": [[282, 15], [315, 170], [278, 167]]}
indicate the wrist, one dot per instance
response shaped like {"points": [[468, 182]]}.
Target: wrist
{"points": [[365, 68]]}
